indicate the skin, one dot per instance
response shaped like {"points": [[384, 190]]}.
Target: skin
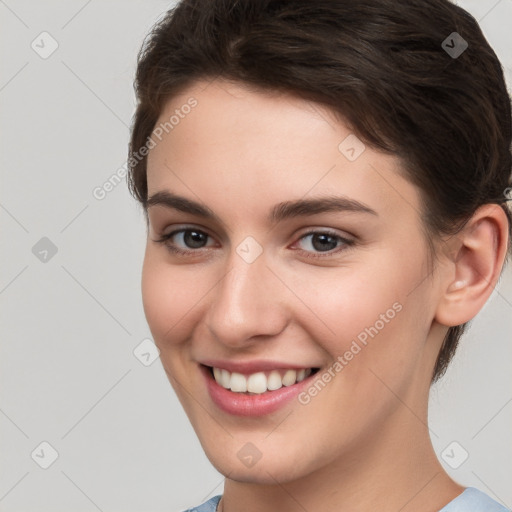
{"points": [[362, 443]]}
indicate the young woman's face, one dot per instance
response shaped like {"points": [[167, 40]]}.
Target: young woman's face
{"points": [[274, 277]]}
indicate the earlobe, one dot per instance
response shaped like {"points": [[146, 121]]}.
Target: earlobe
{"points": [[480, 251]]}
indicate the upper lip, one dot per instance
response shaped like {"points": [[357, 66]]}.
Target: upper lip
{"points": [[253, 366]]}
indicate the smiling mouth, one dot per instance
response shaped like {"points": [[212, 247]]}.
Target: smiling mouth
{"points": [[259, 382]]}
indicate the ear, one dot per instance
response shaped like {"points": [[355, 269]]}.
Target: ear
{"points": [[477, 256]]}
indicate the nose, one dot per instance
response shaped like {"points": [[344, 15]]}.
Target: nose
{"points": [[248, 303]]}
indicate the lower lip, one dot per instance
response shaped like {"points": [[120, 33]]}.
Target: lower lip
{"points": [[241, 404]]}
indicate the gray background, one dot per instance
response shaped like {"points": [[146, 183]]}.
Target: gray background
{"points": [[70, 324]]}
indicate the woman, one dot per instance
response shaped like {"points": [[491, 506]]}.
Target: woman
{"points": [[325, 188]]}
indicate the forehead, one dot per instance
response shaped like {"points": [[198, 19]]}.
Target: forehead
{"points": [[260, 148]]}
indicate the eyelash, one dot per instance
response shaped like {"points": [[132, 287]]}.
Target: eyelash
{"points": [[347, 243]]}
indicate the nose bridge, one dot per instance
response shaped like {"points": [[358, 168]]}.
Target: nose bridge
{"points": [[247, 300]]}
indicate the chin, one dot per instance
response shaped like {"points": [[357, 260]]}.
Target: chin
{"points": [[270, 468]]}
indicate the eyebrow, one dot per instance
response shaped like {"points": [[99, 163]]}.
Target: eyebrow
{"points": [[281, 211]]}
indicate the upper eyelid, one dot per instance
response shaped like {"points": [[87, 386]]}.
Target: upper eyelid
{"points": [[188, 228], [308, 232]]}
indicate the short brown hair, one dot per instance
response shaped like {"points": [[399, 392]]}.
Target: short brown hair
{"points": [[380, 64]]}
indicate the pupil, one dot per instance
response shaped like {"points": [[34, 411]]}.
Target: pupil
{"points": [[324, 238], [194, 239]]}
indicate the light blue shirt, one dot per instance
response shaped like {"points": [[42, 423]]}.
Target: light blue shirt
{"points": [[471, 500]]}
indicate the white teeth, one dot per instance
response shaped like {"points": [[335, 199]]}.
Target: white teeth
{"points": [[238, 382], [274, 381], [289, 378], [225, 378], [258, 382]]}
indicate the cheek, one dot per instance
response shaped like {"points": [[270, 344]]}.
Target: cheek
{"points": [[168, 295], [376, 348], [347, 301], [373, 320]]}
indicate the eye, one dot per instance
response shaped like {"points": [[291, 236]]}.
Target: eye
{"points": [[323, 242], [189, 241], [184, 241]]}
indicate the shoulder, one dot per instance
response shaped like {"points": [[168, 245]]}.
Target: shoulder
{"points": [[473, 500], [207, 506]]}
